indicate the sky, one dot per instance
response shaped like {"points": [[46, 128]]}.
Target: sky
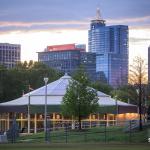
{"points": [[35, 24]]}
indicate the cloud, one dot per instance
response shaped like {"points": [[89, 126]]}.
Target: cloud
{"points": [[139, 34], [53, 25], [138, 40], [140, 27], [29, 24], [6, 26], [31, 15], [129, 20], [43, 10]]}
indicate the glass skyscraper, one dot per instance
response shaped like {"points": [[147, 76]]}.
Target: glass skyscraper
{"points": [[68, 58], [110, 43]]}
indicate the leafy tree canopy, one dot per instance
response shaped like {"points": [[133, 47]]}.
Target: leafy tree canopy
{"points": [[14, 82], [126, 94], [105, 88], [79, 100]]}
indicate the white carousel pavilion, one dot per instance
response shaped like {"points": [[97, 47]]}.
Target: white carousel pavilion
{"points": [[29, 109]]}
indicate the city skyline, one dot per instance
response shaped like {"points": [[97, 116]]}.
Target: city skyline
{"points": [[110, 43], [38, 23]]}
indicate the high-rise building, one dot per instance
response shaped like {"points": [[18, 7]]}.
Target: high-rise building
{"points": [[149, 65], [9, 54], [68, 57], [110, 43]]}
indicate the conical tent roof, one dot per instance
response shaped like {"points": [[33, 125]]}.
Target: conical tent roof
{"points": [[55, 92], [56, 88]]}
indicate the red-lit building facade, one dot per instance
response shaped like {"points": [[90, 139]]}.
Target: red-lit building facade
{"points": [[66, 47]]}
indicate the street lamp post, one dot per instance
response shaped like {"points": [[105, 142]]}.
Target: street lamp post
{"points": [[45, 110], [29, 97], [29, 113]]}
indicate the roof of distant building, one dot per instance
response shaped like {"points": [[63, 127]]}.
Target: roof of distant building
{"points": [[64, 47]]}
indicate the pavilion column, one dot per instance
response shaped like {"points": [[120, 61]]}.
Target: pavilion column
{"points": [[28, 123], [21, 120], [5, 122], [54, 119], [90, 118], [73, 123], [98, 118], [106, 119], [8, 121], [1, 122], [114, 119], [63, 122], [117, 112], [35, 123]]}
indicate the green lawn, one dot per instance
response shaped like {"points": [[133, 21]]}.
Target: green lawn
{"points": [[98, 134], [77, 146]]}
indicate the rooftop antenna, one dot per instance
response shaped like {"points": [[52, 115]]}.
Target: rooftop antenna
{"points": [[98, 14]]}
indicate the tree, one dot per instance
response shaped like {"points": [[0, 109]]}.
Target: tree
{"points": [[79, 100], [14, 81], [126, 93], [138, 71], [3, 76], [138, 77], [103, 87], [38, 71]]}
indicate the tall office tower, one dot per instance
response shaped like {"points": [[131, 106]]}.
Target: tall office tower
{"points": [[68, 57], [149, 65], [111, 46], [9, 54]]}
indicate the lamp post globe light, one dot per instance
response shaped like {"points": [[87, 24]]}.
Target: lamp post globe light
{"points": [[45, 110]]}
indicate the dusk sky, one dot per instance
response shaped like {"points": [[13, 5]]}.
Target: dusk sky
{"points": [[37, 23]]}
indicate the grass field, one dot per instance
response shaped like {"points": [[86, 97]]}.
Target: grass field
{"points": [[77, 146], [109, 135]]}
